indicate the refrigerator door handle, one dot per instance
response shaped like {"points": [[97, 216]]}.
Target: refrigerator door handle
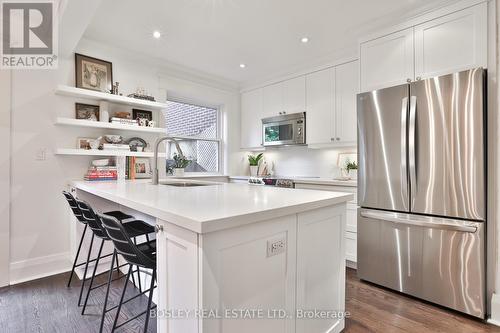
{"points": [[422, 221], [412, 142], [404, 166]]}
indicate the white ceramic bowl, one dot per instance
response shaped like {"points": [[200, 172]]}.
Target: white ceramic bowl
{"points": [[100, 163], [113, 138]]}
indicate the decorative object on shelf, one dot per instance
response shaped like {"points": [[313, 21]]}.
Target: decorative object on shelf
{"points": [[151, 123], [142, 122], [114, 90], [101, 162], [104, 112], [83, 143], [101, 173], [142, 114], [95, 143], [115, 146], [92, 73], [177, 164], [352, 169], [123, 121], [254, 164], [142, 168], [140, 93], [87, 111], [137, 143], [113, 138]]}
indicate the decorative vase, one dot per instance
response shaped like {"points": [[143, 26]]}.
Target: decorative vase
{"points": [[353, 174], [178, 172], [254, 169]]}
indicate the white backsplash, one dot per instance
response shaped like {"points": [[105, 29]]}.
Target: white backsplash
{"points": [[300, 161]]}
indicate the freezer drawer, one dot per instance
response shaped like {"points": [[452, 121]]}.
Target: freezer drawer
{"points": [[439, 260]]}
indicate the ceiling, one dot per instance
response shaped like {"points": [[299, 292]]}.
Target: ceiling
{"points": [[216, 36]]}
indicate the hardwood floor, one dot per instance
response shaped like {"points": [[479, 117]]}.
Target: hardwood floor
{"points": [[375, 309], [47, 306]]}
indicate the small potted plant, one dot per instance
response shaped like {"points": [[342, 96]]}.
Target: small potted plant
{"points": [[352, 169], [254, 164], [180, 163]]}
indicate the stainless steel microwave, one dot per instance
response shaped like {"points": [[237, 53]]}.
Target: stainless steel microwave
{"points": [[289, 129]]}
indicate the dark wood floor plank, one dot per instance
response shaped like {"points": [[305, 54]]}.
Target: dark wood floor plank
{"points": [[47, 306]]}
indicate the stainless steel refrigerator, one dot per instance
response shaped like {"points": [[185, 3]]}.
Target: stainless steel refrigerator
{"points": [[422, 189]]}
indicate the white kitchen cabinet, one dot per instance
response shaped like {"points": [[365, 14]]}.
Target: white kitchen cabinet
{"points": [[346, 86], [272, 100], [351, 217], [320, 88], [446, 44], [251, 115], [454, 42], [331, 105], [294, 95], [387, 61], [285, 97]]}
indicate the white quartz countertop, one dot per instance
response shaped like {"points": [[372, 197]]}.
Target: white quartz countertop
{"points": [[205, 209]]}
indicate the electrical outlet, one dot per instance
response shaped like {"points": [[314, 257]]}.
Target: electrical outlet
{"points": [[276, 246]]}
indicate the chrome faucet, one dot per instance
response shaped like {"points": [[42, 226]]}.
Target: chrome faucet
{"points": [[155, 159]]}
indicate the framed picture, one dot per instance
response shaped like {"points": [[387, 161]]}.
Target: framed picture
{"points": [[136, 113], [83, 143], [87, 111], [93, 74], [142, 168]]}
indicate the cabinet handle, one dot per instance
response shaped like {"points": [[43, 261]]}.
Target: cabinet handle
{"points": [[408, 80], [332, 139], [158, 228], [419, 78], [338, 139]]}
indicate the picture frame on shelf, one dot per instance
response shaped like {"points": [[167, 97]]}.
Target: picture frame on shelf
{"points": [[93, 74], [142, 114], [87, 111], [83, 143], [142, 168]]}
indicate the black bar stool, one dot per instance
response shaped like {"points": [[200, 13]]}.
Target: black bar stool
{"points": [[78, 214], [133, 229], [143, 255]]}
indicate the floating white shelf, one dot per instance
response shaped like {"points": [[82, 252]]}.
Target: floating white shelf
{"points": [[99, 124], [95, 152], [100, 96]]}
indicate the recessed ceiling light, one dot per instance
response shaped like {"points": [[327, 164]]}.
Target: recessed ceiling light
{"points": [[243, 65], [304, 39], [156, 34]]}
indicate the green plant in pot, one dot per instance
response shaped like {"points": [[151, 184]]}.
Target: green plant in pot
{"points": [[254, 161], [180, 162], [352, 169]]}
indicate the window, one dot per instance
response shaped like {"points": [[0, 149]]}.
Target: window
{"points": [[189, 120]]}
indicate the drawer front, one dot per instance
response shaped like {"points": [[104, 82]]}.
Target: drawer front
{"points": [[332, 188], [352, 217], [351, 249]]}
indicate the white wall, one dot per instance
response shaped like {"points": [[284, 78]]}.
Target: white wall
{"points": [[39, 235], [297, 161], [5, 104]]}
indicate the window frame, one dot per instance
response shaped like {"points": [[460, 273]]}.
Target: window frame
{"points": [[219, 139]]}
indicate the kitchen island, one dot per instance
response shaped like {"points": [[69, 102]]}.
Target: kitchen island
{"points": [[237, 257]]}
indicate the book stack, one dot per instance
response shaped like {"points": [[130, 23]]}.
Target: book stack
{"points": [[123, 121], [101, 173], [130, 168]]}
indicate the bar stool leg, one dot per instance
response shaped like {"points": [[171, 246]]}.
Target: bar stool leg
{"points": [[121, 298], [93, 276], [110, 277], [85, 272], [150, 299], [76, 257]]}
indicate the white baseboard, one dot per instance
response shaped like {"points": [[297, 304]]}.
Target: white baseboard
{"points": [[36, 268], [351, 264]]}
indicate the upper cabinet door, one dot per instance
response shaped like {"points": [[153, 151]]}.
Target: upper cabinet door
{"points": [[294, 95], [452, 43], [251, 115], [347, 84], [320, 88], [272, 100], [387, 61]]}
